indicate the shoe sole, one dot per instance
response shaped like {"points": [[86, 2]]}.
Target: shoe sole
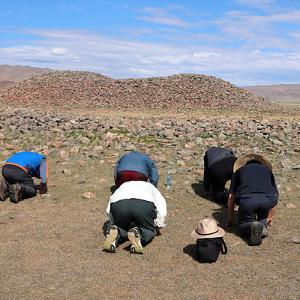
{"points": [[136, 246], [264, 233], [108, 245], [256, 233], [13, 193]]}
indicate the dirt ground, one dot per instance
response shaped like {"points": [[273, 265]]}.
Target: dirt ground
{"points": [[50, 246]]}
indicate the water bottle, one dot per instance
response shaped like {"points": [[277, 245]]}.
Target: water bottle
{"points": [[169, 181]]}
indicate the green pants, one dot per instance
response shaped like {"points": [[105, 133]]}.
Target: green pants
{"points": [[129, 213]]}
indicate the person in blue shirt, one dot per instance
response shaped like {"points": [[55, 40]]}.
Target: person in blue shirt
{"points": [[135, 166], [18, 171], [253, 188]]}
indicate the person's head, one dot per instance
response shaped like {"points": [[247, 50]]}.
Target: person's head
{"points": [[251, 158], [252, 161]]}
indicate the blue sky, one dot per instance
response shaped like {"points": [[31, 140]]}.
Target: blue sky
{"points": [[246, 42]]}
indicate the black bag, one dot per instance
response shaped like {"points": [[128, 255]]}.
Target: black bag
{"points": [[208, 249]]}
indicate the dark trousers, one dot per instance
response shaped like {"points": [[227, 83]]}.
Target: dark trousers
{"points": [[130, 213], [216, 176], [13, 174], [254, 207]]}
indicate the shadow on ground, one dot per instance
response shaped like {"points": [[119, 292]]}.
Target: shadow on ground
{"points": [[220, 215], [191, 251], [200, 191]]}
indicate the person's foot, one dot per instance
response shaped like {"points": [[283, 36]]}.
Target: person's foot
{"points": [[110, 243], [256, 233], [135, 239], [264, 233], [14, 192]]}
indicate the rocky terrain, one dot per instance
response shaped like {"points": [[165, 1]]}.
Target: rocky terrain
{"points": [[86, 90], [51, 245]]}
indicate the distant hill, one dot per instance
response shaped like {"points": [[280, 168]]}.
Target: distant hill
{"points": [[19, 73], [92, 90], [281, 93], [6, 83]]}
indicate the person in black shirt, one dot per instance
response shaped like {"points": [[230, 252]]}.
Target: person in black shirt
{"points": [[253, 188], [218, 169]]}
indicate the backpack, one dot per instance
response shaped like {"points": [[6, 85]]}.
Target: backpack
{"points": [[208, 250]]}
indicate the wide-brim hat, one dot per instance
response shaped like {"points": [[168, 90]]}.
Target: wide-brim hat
{"points": [[241, 161], [207, 229]]}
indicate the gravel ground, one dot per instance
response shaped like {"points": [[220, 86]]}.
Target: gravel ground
{"points": [[51, 246]]}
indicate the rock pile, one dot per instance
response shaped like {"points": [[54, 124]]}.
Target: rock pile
{"points": [[184, 135], [90, 90]]}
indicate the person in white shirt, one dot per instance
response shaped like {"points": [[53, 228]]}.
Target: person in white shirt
{"points": [[135, 211]]}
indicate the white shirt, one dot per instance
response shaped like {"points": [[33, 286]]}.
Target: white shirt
{"points": [[141, 190]]}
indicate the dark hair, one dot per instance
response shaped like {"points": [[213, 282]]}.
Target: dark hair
{"points": [[253, 161]]}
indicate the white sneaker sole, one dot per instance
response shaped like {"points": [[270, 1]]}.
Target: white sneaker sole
{"points": [[109, 244], [136, 246]]}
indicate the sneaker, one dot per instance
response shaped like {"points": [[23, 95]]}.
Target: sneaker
{"points": [[4, 193], [14, 192], [135, 239], [110, 243], [256, 232], [264, 233]]}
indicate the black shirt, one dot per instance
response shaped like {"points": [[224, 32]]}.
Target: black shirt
{"points": [[253, 178], [215, 154]]}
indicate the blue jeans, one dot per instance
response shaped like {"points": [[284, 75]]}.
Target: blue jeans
{"points": [[254, 207]]}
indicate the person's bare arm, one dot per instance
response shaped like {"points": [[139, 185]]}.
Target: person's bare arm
{"points": [[270, 216], [230, 209]]}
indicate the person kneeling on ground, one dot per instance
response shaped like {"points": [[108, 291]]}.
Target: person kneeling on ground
{"points": [[18, 171], [218, 169], [135, 166], [210, 241], [253, 188], [136, 211]]}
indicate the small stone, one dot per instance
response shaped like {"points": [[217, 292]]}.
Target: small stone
{"points": [[75, 149], [63, 154], [295, 240], [291, 205], [84, 140], [56, 144], [88, 195], [180, 163], [90, 134], [288, 189], [66, 171]]}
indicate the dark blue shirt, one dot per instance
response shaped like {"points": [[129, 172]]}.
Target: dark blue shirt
{"points": [[253, 178]]}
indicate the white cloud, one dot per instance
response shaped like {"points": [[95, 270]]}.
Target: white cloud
{"points": [[163, 17], [122, 58], [59, 51]]}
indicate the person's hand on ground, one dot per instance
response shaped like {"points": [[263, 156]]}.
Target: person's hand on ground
{"points": [[230, 223], [269, 222], [43, 188]]}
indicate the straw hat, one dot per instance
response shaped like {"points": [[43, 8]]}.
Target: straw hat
{"points": [[206, 229], [241, 161]]}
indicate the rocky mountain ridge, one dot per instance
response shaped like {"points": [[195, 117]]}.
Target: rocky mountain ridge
{"points": [[75, 89]]}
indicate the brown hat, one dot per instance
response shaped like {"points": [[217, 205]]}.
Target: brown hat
{"points": [[206, 229], [241, 161]]}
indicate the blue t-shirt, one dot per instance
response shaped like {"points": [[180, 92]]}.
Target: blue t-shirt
{"points": [[33, 162], [138, 162]]}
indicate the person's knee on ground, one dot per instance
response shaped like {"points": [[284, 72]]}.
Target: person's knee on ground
{"points": [[220, 196]]}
